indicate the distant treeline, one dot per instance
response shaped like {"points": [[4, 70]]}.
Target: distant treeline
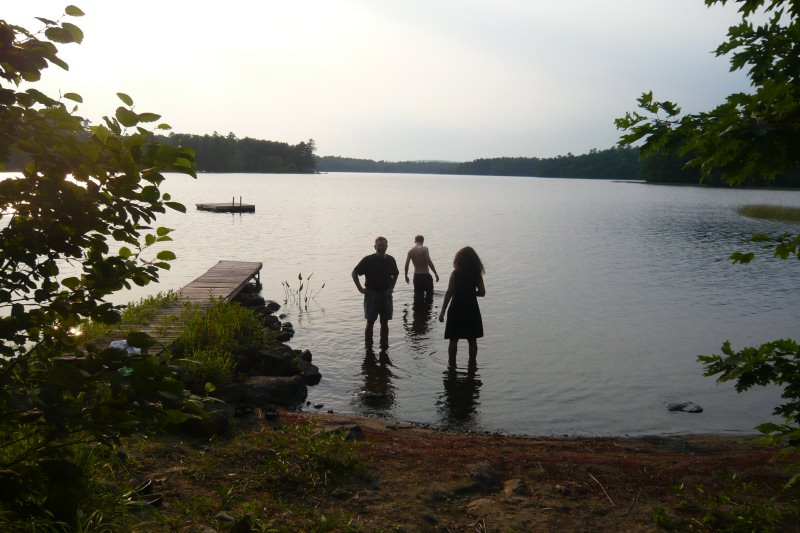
{"points": [[332, 163], [217, 153], [614, 163]]}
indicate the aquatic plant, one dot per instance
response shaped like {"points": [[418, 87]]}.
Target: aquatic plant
{"points": [[303, 294]]}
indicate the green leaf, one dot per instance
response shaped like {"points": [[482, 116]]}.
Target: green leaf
{"points": [[148, 117], [127, 100], [73, 11], [71, 282], [59, 35], [126, 117], [139, 339], [161, 230], [125, 252], [210, 387], [75, 97], [75, 32], [176, 206], [166, 255]]}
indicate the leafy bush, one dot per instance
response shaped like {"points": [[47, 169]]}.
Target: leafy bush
{"points": [[86, 198]]}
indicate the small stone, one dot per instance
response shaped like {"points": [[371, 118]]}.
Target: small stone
{"points": [[319, 405], [686, 407], [222, 516], [516, 487], [485, 475], [481, 506]]}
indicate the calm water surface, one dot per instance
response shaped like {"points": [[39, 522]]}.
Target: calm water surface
{"points": [[600, 294]]}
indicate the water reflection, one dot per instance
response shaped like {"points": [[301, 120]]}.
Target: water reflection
{"points": [[458, 403], [378, 391], [417, 322]]}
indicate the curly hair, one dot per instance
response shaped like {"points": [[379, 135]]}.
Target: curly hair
{"points": [[467, 259]]}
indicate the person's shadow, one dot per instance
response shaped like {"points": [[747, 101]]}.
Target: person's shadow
{"points": [[458, 404], [377, 394]]}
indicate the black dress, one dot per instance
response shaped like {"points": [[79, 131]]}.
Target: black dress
{"points": [[464, 316]]}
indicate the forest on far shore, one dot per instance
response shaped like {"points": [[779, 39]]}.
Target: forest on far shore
{"points": [[230, 154]]}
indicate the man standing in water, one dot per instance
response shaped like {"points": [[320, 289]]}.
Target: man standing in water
{"points": [[419, 255], [380, 275]]}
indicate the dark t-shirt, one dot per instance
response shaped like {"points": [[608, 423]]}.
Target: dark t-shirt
{"points": [[377, 271]]}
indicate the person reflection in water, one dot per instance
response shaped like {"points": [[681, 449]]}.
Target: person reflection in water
{"points": [[378, 391], [380, 275], [465, 286], [459, 402]]}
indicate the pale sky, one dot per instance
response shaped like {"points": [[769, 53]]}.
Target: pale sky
{"points": [[394, 79]]}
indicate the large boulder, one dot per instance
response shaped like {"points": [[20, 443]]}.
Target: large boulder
{"points": [[278, 361], [277, 390]]}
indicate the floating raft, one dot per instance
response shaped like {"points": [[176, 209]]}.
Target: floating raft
{"points": [[227, 208]]}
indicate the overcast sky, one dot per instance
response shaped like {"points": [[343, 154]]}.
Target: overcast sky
{"points": [[389, 79]]}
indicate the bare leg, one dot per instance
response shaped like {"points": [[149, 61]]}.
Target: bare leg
{"points": [[384, 333], [368, 333], [473, 348], [452, 349]]}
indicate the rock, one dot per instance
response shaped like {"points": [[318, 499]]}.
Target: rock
{"points": [[279, 361], [216, 421], [485, 476], [350, 431], [319, 405], [271, 322], [306, 356], [284, 391], [686, 407], [271, 306], [233, 393], [222, 516], [481, 506], [516, 487], [287, 325], [309, 372], [250, 300], [244, 525], [284, 336]]}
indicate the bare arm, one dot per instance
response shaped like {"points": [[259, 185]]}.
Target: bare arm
{"points": [[481, 289], [433, 268], [361, 289], [408, 260], [447, 297]]}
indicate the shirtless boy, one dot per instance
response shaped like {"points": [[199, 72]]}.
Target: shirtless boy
{"points": [[419, 255]]}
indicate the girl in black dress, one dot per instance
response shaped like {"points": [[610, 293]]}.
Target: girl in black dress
{"points": [[464, 319]]}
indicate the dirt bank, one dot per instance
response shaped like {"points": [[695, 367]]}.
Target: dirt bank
{"points": [[419, 479]]}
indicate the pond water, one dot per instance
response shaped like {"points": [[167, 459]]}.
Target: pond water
{"points": [[600, 294]]}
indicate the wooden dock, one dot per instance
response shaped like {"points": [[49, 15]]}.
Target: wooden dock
{"points": [[224, 280]]}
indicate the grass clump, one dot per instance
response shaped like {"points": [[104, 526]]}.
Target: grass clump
{"points": [[136, 314], [215, 337], [771, 212], [275, 479], [736, 506]]}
